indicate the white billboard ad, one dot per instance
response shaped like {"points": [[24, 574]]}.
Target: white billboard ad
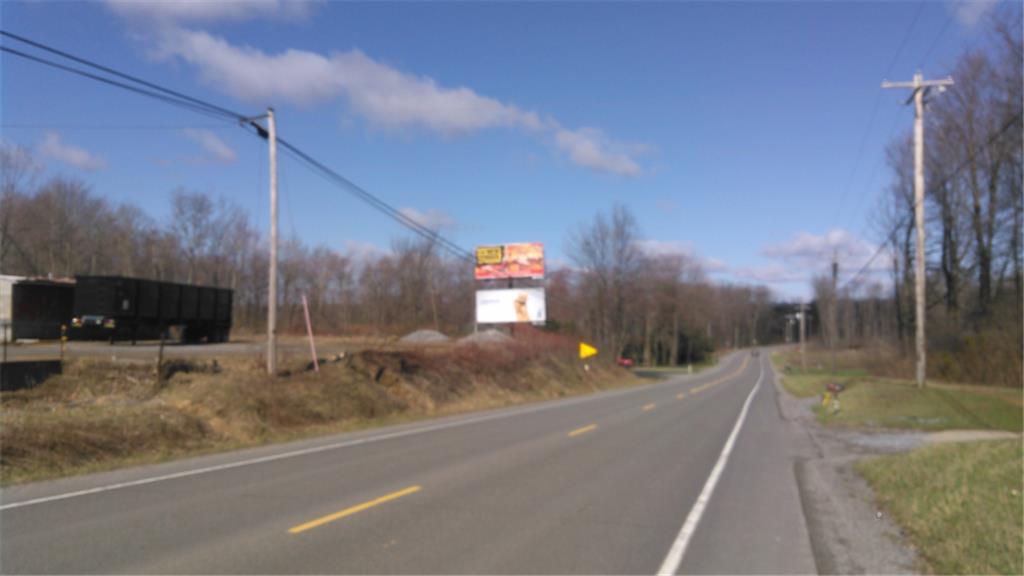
{"points": [[515, 305]]}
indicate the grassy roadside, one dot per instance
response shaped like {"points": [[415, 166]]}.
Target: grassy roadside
{"points": [[100, 415], [670, 371], [960, 503], [872, 402]]}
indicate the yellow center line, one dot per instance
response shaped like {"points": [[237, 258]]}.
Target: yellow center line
{"points": [[649, 407], [703, 387], [350, 511], [583, 430], [681, 395]]}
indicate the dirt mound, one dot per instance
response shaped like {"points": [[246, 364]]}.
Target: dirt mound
{"points": [[424, 337]]}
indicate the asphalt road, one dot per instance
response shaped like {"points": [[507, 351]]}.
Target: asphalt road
{"points": [[689, 475]]}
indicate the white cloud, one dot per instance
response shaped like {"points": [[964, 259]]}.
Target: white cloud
{"points": [[362, 252], [212, 144], [685, 249], [52, 146], [773, 274], [177, 11], [714, 265], [970, 12], [810, 254], [591, 148], [431, 219], [665, 248], [382, 94]]}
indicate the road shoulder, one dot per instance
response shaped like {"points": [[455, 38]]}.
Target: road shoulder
{"points": [[848, 534]]}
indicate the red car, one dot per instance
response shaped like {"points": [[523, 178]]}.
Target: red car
{"points": [[625, 362]]}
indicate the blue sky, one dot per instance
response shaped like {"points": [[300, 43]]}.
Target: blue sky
{"points": [[748, 135]]}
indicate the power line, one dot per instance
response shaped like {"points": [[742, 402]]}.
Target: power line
{"points": [[166, 95], [111, 127], [176, 98], [137, 80], [945, 180], [148, 93], [935, 42], [381, 206], [874, 110]]}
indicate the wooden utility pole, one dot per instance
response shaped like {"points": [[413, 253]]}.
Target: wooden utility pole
{"points": [[921, 88], [272, 279]]}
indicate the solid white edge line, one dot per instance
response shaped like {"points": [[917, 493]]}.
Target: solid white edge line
{"points": [[315, 449], [682, 541]]}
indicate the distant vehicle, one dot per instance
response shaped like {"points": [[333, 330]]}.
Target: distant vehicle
{"points": [[755, 353], [625, 362], [120, 308]]}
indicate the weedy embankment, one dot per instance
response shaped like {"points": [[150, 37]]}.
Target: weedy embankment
{"points": [[101, 415]]}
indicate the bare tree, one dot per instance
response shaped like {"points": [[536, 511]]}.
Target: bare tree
{"points": [[609, 260]]}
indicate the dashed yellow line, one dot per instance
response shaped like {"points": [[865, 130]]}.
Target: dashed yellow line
{"points": [[703, 387], [681, 395], [649, 407], [583, 430], [353, 510]]}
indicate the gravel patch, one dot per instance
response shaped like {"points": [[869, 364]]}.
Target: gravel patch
{"points": [[849, 535], [969, 436], [424, 337]]}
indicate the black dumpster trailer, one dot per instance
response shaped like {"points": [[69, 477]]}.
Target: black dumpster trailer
{"points": [[39, 308], [120, 308]]}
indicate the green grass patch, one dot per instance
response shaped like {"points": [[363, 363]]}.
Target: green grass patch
{"points": [[804, 384], [883, 403], [901, 405], [959, 503], [670, 371]]}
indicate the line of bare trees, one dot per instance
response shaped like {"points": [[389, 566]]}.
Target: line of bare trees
{"points": [[975, 282], [659, 309], [655, 309]]}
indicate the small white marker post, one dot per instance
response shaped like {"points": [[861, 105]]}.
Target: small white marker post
{"points": [[309, 332]]}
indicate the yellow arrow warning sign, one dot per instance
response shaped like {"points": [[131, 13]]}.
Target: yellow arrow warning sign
{"points": [[586, 350]]}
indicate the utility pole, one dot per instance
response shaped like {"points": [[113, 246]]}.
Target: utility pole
{"points": [[803, 336], [835, 304], [921, 88], [272, 280]]}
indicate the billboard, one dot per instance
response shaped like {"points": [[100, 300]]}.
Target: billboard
{"points": [[510, 261], [506, 306]]}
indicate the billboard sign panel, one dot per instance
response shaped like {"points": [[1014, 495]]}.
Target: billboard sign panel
{"points": [[508, 306], [510, 261]]}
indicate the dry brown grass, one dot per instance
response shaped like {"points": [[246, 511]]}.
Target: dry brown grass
{"points": [[976, 365], [100, 415]]}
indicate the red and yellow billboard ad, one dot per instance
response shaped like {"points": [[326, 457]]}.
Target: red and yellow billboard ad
{"points": [[510, 261]]}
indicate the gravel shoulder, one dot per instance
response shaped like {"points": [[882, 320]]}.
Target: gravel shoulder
{"points": [[849, 535]]}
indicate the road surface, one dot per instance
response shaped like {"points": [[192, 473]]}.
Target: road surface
{"points": [[689, 475]]}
